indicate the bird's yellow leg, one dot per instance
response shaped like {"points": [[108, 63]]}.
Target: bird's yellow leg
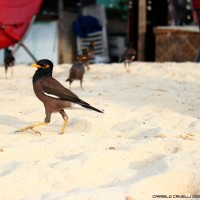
{"points": [[12, 71], [31, 127], [128, 69], [64, 125], [88, 67]]}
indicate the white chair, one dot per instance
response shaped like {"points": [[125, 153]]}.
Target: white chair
{"points": [[101, 48]]}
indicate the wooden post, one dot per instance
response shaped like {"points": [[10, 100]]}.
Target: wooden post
{"points": [[61, 32], [70, 38], [141, 30]]}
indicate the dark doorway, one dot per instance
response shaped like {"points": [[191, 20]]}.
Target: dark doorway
{"points": [[132, 35], [157, 15]]}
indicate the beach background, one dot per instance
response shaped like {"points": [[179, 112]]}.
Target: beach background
{"points": [[147, 142]]}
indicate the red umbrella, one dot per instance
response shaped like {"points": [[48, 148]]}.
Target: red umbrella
{"points": [[15, 18], [196, 4]]}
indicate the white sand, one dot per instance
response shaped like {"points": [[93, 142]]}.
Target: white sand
{"points": [[146, 143]]}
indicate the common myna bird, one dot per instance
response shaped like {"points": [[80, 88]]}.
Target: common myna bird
{"points": [[88, 54], [76, 72], [90, 49], [84, 59], [9, 61], [54, 96], [128, 57]]}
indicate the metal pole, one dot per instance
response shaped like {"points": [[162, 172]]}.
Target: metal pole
{"points": [[20, 43], [28, 51]]}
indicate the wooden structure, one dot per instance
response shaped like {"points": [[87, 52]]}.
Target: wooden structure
{"points": [[178, 44], [135, 29], [141, 30]]}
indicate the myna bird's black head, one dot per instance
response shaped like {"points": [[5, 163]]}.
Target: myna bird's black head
{"points": [[43, 64], [45, 69]]}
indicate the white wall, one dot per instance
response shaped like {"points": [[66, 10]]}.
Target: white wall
{"points": [[41, 40]]}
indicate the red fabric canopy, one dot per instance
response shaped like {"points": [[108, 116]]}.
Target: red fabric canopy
{"points": [[196, 4], [15, 17]]}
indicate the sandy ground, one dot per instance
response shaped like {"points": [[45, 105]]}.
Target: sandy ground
{"points": [[147, 142]]}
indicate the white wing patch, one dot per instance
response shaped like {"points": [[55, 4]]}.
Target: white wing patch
{"points": [[51, 95]]}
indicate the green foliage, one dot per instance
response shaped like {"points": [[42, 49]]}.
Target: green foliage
{"points": [[119, 11]]}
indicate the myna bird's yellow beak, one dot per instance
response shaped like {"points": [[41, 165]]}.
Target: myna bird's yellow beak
{"points": [[36, 65]]}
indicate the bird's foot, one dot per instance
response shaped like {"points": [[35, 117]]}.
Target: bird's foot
{"points": [[36, 132], [28, 128]]}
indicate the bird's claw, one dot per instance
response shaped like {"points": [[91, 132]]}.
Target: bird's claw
{"points": [[28, 128], [17, 131], [37, 132]]}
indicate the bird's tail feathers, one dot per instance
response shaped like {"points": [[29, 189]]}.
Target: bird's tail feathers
{"points": [[88, 106], [92, 108]]}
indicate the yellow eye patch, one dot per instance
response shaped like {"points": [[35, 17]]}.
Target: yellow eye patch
{"points": [[46, 66]]}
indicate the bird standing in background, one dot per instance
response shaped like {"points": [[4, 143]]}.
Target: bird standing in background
{"points": [[87, 55], [128, 57], [90, 50], [54, 96], [84, 59], [9, 61], [76, 72]]}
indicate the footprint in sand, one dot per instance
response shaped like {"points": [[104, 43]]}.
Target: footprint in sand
{"points": [[125, 126], [160, 136], [72, 157], [9, 120], [7, 169], [172, 147], [129, 198], [149, 167], [149, 133], [187, 136], [79, 125]]}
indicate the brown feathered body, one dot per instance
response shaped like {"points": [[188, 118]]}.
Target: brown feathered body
{"points": [[51, 102], [76, 72]]}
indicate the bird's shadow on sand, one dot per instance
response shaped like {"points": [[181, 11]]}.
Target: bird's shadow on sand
{"points": [[9, 120]]}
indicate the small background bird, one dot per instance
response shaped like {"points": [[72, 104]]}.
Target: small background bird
{"points": [[128, 57], [84, 59], [90, 49], [54, 96], [87, 55], [9, 61], [76, 72]]}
